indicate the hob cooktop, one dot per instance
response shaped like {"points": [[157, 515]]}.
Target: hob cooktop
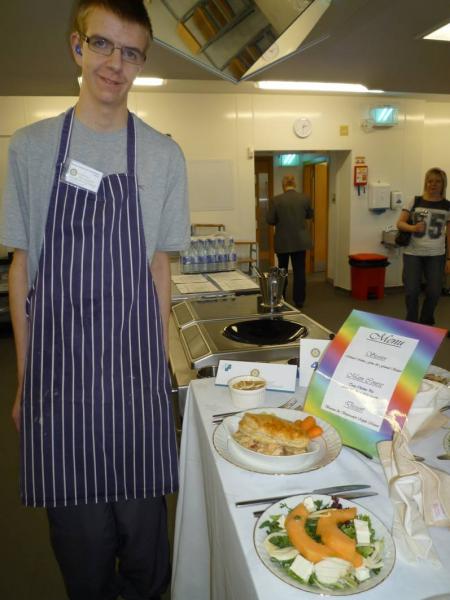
{"points": [[242, 307], [267, 339]]}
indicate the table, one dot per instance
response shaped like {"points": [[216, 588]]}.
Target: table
{"points": [[214, 556]]}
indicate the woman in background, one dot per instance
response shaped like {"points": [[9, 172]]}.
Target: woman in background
{"points": [[427, 217]]}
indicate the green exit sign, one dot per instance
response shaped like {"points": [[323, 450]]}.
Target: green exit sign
{"points": [[288, 160]]}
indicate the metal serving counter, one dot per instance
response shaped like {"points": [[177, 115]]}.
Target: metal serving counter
{"points": [[199, 335]]}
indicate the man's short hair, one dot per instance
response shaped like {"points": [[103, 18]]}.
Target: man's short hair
{"points": [[289, 181], [133, 11]]}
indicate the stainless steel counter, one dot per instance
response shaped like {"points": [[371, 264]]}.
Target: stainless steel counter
{"points": [[205, 322], [181, 372]]}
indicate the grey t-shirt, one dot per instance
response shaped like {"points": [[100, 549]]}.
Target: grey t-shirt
{"points": [[435, 214], [161, 175]]}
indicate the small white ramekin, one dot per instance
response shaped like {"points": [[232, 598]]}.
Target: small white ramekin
{"points": [[246, 399]]}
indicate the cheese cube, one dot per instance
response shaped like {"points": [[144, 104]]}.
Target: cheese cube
{"points": [[308, 503], [362, 532], [362, 573], [302, 568]]}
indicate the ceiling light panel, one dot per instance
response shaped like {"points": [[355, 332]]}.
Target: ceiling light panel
{"points": [[442, 34], [316, 86]]}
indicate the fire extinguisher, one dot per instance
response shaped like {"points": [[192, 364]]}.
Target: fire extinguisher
{"points": [[360, 176]]}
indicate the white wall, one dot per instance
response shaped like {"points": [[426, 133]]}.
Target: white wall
{"points": [[436, 148], [226, 126], [280, 172]]}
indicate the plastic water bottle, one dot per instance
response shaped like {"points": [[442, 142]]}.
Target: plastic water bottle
{"points": [[227, 257], [194, 255], [186, 261], [210, 255], [220, 250], [214, 254], [233, 255], [201, 253]]}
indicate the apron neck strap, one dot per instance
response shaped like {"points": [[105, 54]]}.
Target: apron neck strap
{"points": [[65, 136], [131, 145]]}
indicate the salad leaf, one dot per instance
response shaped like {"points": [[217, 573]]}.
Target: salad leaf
{"points": [[280, 541], [320, 504], [311, 527], [364, 550], [272, 525]]}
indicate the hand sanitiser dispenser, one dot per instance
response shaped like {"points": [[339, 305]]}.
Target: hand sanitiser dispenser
{"points": [[396, 199]]}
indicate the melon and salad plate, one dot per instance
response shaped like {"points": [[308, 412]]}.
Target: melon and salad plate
{"points": [[325, 545]]}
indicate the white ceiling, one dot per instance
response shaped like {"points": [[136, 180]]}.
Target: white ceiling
{"points": [[373, 42]]}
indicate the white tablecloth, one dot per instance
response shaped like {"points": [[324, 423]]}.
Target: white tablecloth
{"points": [[214, 555]]}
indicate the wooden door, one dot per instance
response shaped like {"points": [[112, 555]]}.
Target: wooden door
{"points": [[263, 193], [315, 185], [308, 189], [320, 218]]}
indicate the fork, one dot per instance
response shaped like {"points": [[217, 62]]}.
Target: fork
{"points": [[216, 419]]}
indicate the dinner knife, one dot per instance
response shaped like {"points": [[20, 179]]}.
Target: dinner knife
{"points": [[344, 496], [335, 490]]}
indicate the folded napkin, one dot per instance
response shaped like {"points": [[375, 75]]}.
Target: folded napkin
{"points": [[420, 496], [424, 416]]}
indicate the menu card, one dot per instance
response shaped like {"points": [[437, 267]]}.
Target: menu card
{"points": [[369, 375]]}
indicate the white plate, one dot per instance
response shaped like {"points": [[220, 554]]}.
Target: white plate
{"points": [[330, 444], [259, 535]]}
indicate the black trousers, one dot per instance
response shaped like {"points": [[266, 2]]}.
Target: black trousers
{"points": [[113, 548], [298, 269], [415, 268]]}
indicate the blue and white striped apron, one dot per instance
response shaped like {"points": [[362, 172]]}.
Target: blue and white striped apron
{"points": [[96, 413]]}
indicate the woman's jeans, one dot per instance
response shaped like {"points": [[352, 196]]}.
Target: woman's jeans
{"points": [[415, 270]]}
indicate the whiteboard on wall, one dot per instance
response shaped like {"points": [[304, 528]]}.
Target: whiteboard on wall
{"points": [[211, 185]]}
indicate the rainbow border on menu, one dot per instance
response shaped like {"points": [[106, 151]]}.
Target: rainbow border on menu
{"points": [[354, 434]]}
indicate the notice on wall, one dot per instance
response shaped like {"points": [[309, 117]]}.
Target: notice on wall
{"points": [[369, 375]]}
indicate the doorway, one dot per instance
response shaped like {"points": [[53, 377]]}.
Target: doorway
{"points": [[315, 185], [311, 172], [263, 193]]}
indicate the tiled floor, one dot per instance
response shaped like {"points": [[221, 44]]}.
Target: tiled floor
{"points": [[28, 569]]}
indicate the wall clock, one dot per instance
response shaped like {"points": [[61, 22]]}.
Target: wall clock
{"points": [[302, 127]]}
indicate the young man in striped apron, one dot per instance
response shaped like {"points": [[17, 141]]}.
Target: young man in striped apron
{"points": [[95, 199]]}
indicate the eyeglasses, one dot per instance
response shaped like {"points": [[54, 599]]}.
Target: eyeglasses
{"points": [[101, 45]]}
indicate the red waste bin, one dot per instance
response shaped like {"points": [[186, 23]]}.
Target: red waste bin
{"points": [[368, 273]]}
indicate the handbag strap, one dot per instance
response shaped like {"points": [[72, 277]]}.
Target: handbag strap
{"points": [[414, 206]]}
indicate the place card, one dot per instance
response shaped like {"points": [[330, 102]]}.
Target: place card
{"points": [[189, 279], [237, 284], [369, 376], [233, 280], [311, 352], [280, 378], [195, 288]]}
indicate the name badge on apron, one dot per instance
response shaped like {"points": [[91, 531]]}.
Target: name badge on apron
{"points": [[82, 176]]}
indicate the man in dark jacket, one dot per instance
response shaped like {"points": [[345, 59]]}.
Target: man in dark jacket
{"points": [[289, 213]]}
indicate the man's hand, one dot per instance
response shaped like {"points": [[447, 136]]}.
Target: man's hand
{"points": [[18, 288], [17, 408], [160, 268]]}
